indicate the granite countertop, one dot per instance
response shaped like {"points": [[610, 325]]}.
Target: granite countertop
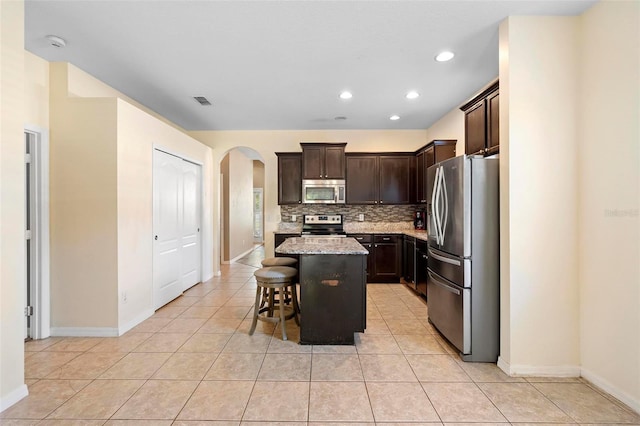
{"points": [[403, 228], [321, 245]]}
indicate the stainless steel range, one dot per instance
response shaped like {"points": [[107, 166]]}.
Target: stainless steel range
{"points": [[323, 225]]}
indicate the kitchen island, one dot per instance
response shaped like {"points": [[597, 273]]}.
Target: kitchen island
{"points": [[333, 291]]}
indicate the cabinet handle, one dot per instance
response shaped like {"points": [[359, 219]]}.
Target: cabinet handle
{"points": [[386, 239], [376, 245]]}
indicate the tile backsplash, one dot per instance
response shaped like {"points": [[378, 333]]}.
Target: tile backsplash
{"points": [[390, 213]]}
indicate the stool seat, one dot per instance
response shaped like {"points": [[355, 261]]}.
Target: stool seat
{"points": [[279, 261], [275, 274]]}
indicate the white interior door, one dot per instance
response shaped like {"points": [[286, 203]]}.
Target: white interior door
{"points": [[167, 228], [190, 238]]}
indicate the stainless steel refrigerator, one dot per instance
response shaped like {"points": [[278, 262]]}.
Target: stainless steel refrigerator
{"points": [[463, 282]]}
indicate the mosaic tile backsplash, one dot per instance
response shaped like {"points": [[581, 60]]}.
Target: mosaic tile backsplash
{"points": [[395, 213]]}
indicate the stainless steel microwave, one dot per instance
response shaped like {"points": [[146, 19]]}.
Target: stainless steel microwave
{"points": [[323, 191]]}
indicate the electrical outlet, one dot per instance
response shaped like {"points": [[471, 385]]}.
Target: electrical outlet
{"points": [[294, 217], [361, 217], [124, 297]]}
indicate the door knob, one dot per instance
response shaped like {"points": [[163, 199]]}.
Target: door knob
{"points": [[156, 238]]}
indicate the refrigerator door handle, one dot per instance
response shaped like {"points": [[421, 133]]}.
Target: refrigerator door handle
{"points": [[434, 204], [444, 259], [443, 284], [445, 214]]}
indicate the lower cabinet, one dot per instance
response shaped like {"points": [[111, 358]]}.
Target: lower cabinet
{"points": [[421, 267], [384, 262], [409, 262]]}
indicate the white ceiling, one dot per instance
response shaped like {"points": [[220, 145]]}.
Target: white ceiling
{"points": [[282, 64]]}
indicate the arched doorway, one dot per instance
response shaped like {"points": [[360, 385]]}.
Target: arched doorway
{"points": [[241, 203]]}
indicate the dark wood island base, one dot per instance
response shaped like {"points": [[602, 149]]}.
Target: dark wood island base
{"points": [[333, 291]]}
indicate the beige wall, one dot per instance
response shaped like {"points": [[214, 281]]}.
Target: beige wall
{"points": [[240, 203], [540, 231], [12, 247], [83, 207], [265, 143], [138, 134], [258, 174], [609, 174], [36, 90], [101, 206], [450, 126]]}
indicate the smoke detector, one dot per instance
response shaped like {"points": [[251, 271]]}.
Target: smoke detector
{"points": [[56, 41]]}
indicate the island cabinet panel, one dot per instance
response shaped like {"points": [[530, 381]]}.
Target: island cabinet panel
{"points": [[333, 298], [482, 123], [430, 154], [380, 178], [289, 177], [323, 161]]}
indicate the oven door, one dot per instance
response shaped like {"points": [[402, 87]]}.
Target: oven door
{"points": [[450, 310]]}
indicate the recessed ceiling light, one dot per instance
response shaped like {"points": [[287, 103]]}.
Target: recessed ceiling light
{"points": [[394, 117], [412, 94], [444, 56], [346, 95], [56, 41]]}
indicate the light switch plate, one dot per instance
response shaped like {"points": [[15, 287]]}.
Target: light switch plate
{"points": [[361, 217]]}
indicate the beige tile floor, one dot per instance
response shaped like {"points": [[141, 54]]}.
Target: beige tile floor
{"points": [[193, 363]]}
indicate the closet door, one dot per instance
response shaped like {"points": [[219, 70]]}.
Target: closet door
{"points": [[167, 227], [190, 238]]}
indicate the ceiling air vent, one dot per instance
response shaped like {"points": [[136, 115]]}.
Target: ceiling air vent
{"points": [[202, 100]]}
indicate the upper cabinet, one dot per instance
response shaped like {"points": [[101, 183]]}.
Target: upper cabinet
{"points": [[481, 122], [323, 160], [427, 156], [380, 178], [289, 177]]}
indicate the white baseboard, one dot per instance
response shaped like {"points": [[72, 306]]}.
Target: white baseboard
{"points": [[137, 320], [571, 371], [605, 385], [84, 331], [13, 397], [240, 256]]}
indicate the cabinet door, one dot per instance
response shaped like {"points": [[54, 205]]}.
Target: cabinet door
{"points": [[334, 162], [430, 157], [313, 162], [421, 178], [444, 152], [387, 262], [289, 179], [408, 259], [362, 171], [397, 174], [370, 262], [493, 123], [475, 129]]}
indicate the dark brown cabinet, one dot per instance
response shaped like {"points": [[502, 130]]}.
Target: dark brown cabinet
{"points": [[380, 178], [387, 258], [427, 156], [323, 160], [289, 177], [482, 122], [384, 262], [366, 240]]}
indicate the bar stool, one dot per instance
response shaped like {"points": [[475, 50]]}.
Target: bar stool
{"points": [[280, 278], [277, 261]]}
